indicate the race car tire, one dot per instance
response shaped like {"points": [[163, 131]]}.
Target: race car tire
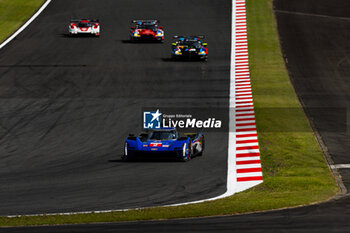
{"points": [[127, 155], [203, 146], [187, 152]]}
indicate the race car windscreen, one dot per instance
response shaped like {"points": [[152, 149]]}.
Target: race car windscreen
{"points": [[84, 25], [163, 135], [147, 26], [189, 43]]}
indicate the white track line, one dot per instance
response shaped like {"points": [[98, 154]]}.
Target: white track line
{"points": [[25, 25], [340, 166]]}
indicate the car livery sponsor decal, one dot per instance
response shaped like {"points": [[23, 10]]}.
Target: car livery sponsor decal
{"points": [[155, 144]]}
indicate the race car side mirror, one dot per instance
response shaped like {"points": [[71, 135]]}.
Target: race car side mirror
{"points": [[205, 44], [132, 28], [160, 28], [173, 44]]}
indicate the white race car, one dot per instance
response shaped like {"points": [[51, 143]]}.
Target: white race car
{"points": [[84, 26]]}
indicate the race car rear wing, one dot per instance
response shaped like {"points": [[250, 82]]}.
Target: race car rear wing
{"points": [[200, 36], [145, 21], [78, 20]]}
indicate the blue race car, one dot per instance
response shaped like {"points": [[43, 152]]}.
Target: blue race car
{"points": [[164, 142], [189, 47]]}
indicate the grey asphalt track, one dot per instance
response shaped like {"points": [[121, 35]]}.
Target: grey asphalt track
{"points": [[312, 34], [67, 105], [332, 217], [315, 40]]}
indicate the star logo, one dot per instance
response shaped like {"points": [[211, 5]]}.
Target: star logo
{"points": [[152, 120], [156, 115]]}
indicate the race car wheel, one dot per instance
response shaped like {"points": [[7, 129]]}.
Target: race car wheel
{"points": [[126, 156], [203, 146], [186, 152]]}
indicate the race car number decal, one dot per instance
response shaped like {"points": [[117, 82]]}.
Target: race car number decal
{"points": [[156, 144]]}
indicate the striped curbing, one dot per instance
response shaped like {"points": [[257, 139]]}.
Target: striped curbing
{"points": [[247, 161]]}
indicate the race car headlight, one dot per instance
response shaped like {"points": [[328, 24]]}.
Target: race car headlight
{"points": [[159, 33], [136, 34], [201, 53], [178, 52]]}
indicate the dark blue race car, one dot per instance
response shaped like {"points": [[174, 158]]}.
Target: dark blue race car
{"points": [[189, 47], [164, 142]]}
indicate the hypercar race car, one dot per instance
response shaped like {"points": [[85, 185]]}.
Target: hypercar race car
{"points": [[84, 26], [146, 30], [189, 47], [164, 143]]}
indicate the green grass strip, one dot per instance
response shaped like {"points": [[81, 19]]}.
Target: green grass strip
{"points": [[14, 13], [294, 168]]}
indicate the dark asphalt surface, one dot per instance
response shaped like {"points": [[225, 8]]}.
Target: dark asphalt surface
{"points": [[315, 41], [331, 217], [67, 105]]}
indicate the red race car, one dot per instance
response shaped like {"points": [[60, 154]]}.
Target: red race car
{"points": [[146, 30]]}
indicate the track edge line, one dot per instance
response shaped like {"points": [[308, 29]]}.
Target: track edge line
{"points": [[26, 24]]}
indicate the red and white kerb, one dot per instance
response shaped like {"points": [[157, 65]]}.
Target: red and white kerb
{"points": [[248, 165]]}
